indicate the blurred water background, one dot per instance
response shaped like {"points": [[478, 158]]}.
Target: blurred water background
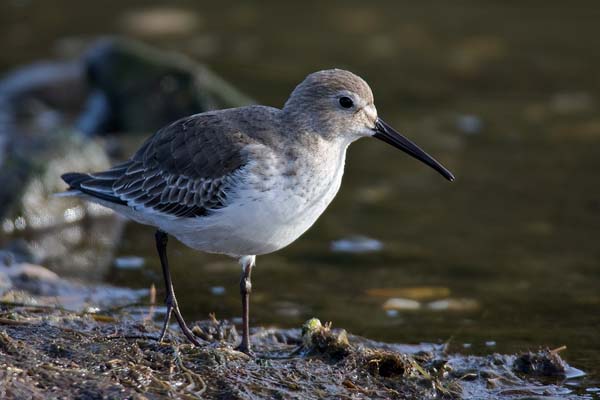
{"points": [[505, 94]]}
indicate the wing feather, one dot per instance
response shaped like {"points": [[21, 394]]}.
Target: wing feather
{"points": [[184, 170]]}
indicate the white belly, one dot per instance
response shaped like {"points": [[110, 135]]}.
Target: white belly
{"points": [[267, 210], [263, 220]]}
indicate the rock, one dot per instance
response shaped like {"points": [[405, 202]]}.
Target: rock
{"points": [[47, 287], [41, 86], [33, 214], [136, 88], [82, 250], [36, 138], [30, 272], [33, 279], [38, 204], [116, 86]]}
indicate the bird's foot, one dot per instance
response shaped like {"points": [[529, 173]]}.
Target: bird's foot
{"points": [[165, 327], [245, 348], [173, 308]]}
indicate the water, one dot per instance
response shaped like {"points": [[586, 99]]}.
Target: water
{"points": [[506, 97]]}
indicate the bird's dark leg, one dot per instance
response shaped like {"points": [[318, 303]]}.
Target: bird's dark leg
{"points": [[245, 290], [171, 301]]}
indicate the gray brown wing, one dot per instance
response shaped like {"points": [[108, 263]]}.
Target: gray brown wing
{"points": [[184, 170]]}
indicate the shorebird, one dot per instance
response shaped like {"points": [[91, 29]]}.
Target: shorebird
{"points": [[244, 181]]}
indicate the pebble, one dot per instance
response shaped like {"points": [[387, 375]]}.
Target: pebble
{"points": [[30, 272], [414, 292], [397, 303], [129, 262], [391, 313], [217, 290], [356, 244], [33, 279], [453, 305], [469, 124]]}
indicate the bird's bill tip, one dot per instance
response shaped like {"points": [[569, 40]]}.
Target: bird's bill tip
{"points": [[386, 133]]}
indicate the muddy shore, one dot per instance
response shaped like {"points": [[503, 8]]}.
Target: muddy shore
{"points": [[49, 352]]}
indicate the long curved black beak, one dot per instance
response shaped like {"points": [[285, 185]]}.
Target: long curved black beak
{"points": [[389, 135]]}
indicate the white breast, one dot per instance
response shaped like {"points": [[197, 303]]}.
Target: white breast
{"points": [[271, 208]]}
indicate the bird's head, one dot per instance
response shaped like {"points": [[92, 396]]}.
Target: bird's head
{"points": [[338, 104]]}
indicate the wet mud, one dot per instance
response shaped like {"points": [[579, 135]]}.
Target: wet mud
{"points": [[51, 352]]}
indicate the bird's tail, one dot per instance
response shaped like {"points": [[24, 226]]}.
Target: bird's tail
{"points": [[97, 185], [74, 180]]}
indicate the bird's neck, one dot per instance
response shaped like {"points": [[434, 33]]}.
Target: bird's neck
{"points": [[306, 144]]}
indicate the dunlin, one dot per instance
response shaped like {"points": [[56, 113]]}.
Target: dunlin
{"points": [[244, 181]]}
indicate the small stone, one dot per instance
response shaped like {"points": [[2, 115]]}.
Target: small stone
{"points": [[8, 226], [414, 292], [356, 244], [398, 303], [217, 290], [469, 124], [453, 305], [31, 272], [129, 262]]}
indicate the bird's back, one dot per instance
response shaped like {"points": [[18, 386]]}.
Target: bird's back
{"points": [[185, 168]]}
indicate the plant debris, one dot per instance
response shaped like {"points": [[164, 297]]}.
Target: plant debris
{"points": [[541, 363], [51, 352]]}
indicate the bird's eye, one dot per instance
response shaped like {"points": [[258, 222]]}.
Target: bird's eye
{"points": [[346, 102]]}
